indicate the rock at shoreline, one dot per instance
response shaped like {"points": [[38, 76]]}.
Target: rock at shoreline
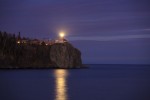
{"points": [[64, 55]]}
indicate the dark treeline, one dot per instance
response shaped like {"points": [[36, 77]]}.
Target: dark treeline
{"points": [[13, 54]]}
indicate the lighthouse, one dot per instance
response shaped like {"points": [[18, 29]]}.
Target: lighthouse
{"points": [[61, 38], [61, 35]]}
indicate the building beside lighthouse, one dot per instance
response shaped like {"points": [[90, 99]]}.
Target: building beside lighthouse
{"points": [[60, 41]]}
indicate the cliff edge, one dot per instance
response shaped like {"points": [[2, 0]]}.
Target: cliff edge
{"points": [[64, 55]]}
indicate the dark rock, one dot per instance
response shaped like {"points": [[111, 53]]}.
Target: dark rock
{"points": [[64, 55], [28, 55]]}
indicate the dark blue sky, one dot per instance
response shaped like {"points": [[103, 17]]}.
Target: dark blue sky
{"points": [[106, 31]]}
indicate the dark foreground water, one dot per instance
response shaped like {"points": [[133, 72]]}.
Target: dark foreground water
{"points": [[99, 82]]}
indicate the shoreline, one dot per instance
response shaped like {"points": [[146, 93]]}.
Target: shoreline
{"points": [[41, 68], [48, 67]]}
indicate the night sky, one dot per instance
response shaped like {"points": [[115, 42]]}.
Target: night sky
{"points": [[106, 31]]}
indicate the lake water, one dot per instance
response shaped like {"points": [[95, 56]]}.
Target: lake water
{"points": [[99, 82]]}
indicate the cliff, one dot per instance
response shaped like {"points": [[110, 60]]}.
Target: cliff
{"points": [[24, 55], [64, 55]]}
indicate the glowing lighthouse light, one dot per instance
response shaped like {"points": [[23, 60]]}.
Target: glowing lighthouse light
{"points": [[61, 38], [62, 34]]}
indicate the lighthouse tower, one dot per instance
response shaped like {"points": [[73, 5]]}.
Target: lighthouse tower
{"points": [[61, 38]]}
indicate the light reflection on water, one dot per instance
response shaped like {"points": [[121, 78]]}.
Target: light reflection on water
{"points": [[61, 84]]}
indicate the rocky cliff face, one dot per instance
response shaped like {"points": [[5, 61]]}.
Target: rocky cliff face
{"points": [[64, 55], [27, 55]]}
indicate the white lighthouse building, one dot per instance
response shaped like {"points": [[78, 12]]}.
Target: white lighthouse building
{"points": [[61, 38]]}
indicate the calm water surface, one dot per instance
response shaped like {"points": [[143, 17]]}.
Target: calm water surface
{"points": [[99, 82]]}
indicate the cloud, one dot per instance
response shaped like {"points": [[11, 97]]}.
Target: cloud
{"points": [[110, 38]]}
